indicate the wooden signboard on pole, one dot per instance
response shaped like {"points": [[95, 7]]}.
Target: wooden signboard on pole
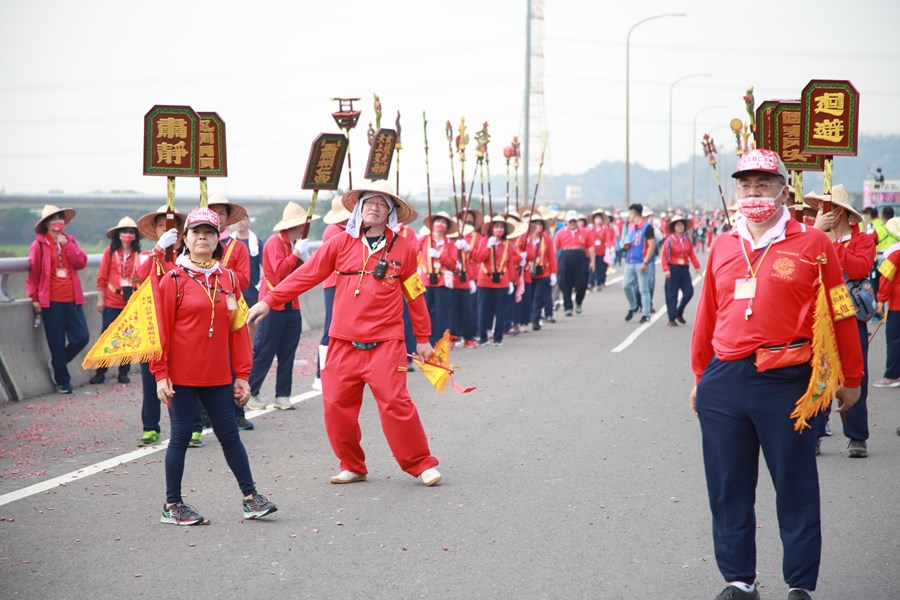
{"points": [[829, 118], [380, 154], [171, 136]]}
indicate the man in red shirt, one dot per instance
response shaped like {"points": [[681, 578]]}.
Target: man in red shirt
{"points": [[750, 354], [376, 271], [576, 258]]}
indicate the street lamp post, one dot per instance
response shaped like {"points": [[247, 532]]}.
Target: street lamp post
{"points": [[671, 90], [628, 101], [694, 153]]}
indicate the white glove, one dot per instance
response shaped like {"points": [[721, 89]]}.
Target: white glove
{"points": [[462, 245], [524, 256], [434, 253], [168, 239], [512, 288], [552, 279], [493, 241], [301, 247], [448, 279], [472, 287]]}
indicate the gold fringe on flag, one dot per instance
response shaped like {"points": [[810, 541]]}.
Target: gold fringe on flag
{"points": [[437, 369], [132, 337], [827, 375]]}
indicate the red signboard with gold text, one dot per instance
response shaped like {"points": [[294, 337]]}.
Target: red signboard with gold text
{"points": [[830, 116], [380, 154], [170, 141], [786, 134], [211, 146], [326, 159]]}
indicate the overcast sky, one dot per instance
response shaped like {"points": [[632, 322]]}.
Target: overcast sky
{"points": [[78, 77]]}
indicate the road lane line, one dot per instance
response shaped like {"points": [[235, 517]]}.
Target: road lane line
{"points": [[99, 467], [641, 329]]}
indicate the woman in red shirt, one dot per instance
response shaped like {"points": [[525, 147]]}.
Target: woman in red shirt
{"points": [[677, 257], [116, 279], [497, 258], [55, 291], [437, 261], [204, 340]]}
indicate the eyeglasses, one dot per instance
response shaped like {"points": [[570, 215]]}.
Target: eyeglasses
{"points": [[746, 186], [376, 205]]}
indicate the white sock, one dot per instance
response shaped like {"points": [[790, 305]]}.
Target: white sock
{"points": [[746, 587]]}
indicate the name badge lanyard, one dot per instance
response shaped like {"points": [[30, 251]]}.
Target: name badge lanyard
{"points": [[210, 292], [745, 289]]}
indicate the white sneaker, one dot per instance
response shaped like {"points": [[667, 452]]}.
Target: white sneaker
{"points": [[347, 477], [256, 404], [283, 403], [317, 384], [430, 476]]}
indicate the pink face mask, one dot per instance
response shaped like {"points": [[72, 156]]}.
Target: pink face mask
{"points": [[127, 238], [439, 226], [56, 226], [757, 210]]}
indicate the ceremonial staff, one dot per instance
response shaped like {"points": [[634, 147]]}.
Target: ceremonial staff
{"points": [[538, 180], [482, 138], [397, 147], [448, 132], [517, 154], [427, 173], [709, 150], [462, 140], [346, 119], [323, 169], [170, 214], [507, 154]]}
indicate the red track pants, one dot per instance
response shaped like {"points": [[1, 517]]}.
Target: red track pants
{"points": [[346, 372]]}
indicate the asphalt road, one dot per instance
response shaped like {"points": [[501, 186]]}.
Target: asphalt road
{"points": [[572, 472]]}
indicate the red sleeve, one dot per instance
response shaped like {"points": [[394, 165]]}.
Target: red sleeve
{"points": [[103, 272], [448, 255], [512, 262], [858, 256], [664, 254], [551, 250], [280, 261], [239, 263], [35, 269], [885, 285], [704, 321], [480, 250], [693, 256], [310, 274], [239, 343], [77, 257], [165, 309]]}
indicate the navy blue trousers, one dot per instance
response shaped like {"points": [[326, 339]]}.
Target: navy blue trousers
{"points": [[462, 313], [218, 401], [573, 272], [679, 280], [855, 420], [522, 309], [276, 335], [438, 301], [491, 307], [542, 299], [150, 404], [742, 411], [64, 320], [110, 315]]}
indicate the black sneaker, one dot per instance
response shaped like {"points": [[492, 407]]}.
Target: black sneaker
{"points": [[64, 389], [630, 314], [98, 378], [680, 319], [569, 313], [818, 446], [798, 594], [258, 506], [857, 449], [182, 514], [733, 593], [645, 320], [578, 308], [243, 424], [123, 378], [552, 320]]}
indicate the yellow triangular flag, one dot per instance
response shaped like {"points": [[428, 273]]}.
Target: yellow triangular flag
{"points": [[132, 337]]}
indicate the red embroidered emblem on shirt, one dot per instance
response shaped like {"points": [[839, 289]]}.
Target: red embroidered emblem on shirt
{"points": [[783, 268]]}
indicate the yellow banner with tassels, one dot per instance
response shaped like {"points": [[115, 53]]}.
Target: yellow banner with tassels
{"points": [[132, 337]]}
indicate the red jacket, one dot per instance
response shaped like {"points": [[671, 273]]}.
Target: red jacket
{"points": [[40, 259], [190, 356], [375, 314], [502, 258], [330, 231], [524, 243], [446, 262], [278, 262], [237, 259], [787, 281], [467, 263], [677, 250], [545, 256], [113, 270]]}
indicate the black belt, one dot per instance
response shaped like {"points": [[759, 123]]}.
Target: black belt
{"points": [[364, 345]]}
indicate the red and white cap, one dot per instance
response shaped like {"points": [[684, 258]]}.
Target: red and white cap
{"points": [[201, 216], [761, 161]]}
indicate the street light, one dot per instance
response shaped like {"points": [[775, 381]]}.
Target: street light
{"points": [[628, 102], [694, 153], [671, 90]]}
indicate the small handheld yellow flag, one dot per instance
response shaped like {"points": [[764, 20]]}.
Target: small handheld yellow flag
{"points": [[437, 369], [132, 337]]}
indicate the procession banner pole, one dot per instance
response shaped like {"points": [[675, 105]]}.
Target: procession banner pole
{"points": [[448, 132], [537, 181], [346, 119], [427, 178], [709, 150], [397, 147]]}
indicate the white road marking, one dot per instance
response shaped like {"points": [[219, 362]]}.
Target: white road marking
{"points": [[122, 459], [641, 329]]}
